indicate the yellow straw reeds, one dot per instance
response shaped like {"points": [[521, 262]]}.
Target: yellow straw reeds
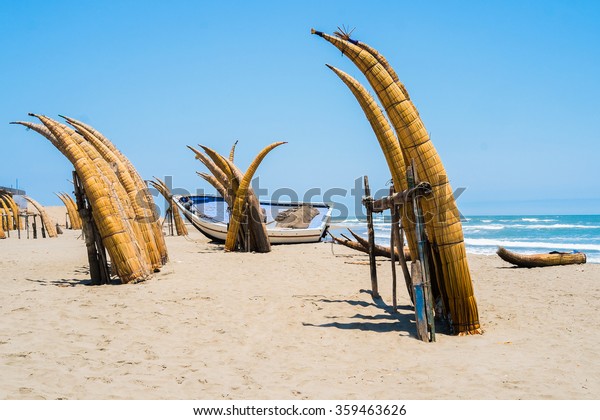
{"points": [[226, 178], [9, 214], [212, 180], [107, 201], [7, 207], [388, 143], [443, 221], [164, 190], [142, 215], [2, 233], [15, 211], [220, 177], [143, 195], [46, 221], [241, 194], [71, 203], [74, 218], [232, 152]]}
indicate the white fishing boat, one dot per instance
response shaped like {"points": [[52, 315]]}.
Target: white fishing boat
{"points": [[287, 223]]}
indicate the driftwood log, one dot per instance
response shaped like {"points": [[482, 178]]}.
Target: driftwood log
{"points": [[380, 251]]}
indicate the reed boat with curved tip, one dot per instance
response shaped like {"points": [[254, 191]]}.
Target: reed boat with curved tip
{"points": [[287, 223], [541, 260]]}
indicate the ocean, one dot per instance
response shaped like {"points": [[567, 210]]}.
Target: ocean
{"points": [[523, 234]]}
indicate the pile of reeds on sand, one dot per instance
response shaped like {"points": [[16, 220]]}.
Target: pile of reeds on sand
{"points": [[122, 208]]}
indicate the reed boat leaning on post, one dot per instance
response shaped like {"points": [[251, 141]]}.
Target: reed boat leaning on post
{"points": [[287, 223], [541, 260]]}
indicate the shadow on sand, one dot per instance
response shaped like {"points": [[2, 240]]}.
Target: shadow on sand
{"points": [[402, 321]]}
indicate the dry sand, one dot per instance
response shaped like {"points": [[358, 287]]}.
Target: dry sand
{"points": [[293, 324]]}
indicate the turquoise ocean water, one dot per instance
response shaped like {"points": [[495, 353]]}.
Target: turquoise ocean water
{"points": [[524, 234]]}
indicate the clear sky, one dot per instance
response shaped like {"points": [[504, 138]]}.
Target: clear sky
{"points": [[509, 90]]}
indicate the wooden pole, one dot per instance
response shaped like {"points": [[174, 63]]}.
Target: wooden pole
{"points": [[5, 223], [34, 226], [399, 235], [27, 224], [393, 255], [93, 241], [247, 218], [102, 260], [19, 225], [368, 202]]}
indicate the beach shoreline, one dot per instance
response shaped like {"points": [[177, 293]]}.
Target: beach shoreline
{"points": [[297, 323]]}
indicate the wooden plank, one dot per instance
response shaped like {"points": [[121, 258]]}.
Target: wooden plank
{"points": [[399, 198], [419, 296], [422, 246], [34, 226], [399, 235]]}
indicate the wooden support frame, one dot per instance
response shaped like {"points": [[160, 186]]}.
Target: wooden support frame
{"points": [[418, 282]]}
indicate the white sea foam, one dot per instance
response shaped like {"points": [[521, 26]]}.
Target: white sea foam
{"points": [[525, 244], [483, 227], [557, 226], [534, 219], [524, 226]]}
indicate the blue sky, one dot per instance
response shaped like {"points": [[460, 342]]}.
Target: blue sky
{"points": [[509, 91]]}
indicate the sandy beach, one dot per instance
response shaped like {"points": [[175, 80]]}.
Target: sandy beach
{"points": [[297, 323]]}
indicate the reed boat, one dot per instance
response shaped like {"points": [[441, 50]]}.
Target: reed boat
{"points": [[287, 223], [541, 260]]}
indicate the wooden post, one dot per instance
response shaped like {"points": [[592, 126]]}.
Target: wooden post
{"points": [[42, 227], [27, 224], [98, 265], [368, 201], [19, 225], [102, 260], [247, 222], [399, 235], [419, 296], [393, 253], [34, 226]]}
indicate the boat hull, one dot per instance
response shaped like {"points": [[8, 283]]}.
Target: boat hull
{"points": [[541, 260], [216, 230]]}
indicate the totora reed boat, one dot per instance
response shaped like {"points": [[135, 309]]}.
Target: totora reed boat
{"points": [[287, 223], [541, 260]]}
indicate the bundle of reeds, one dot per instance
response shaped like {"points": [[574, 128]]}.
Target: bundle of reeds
{"points": [[143, 197], [2, 233], [8, 219], [49, 225], [71, 207], [444, 230], [247, 230], [18, 222], [541, 260], [122, 208], [165, 191], [241, 195]]}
